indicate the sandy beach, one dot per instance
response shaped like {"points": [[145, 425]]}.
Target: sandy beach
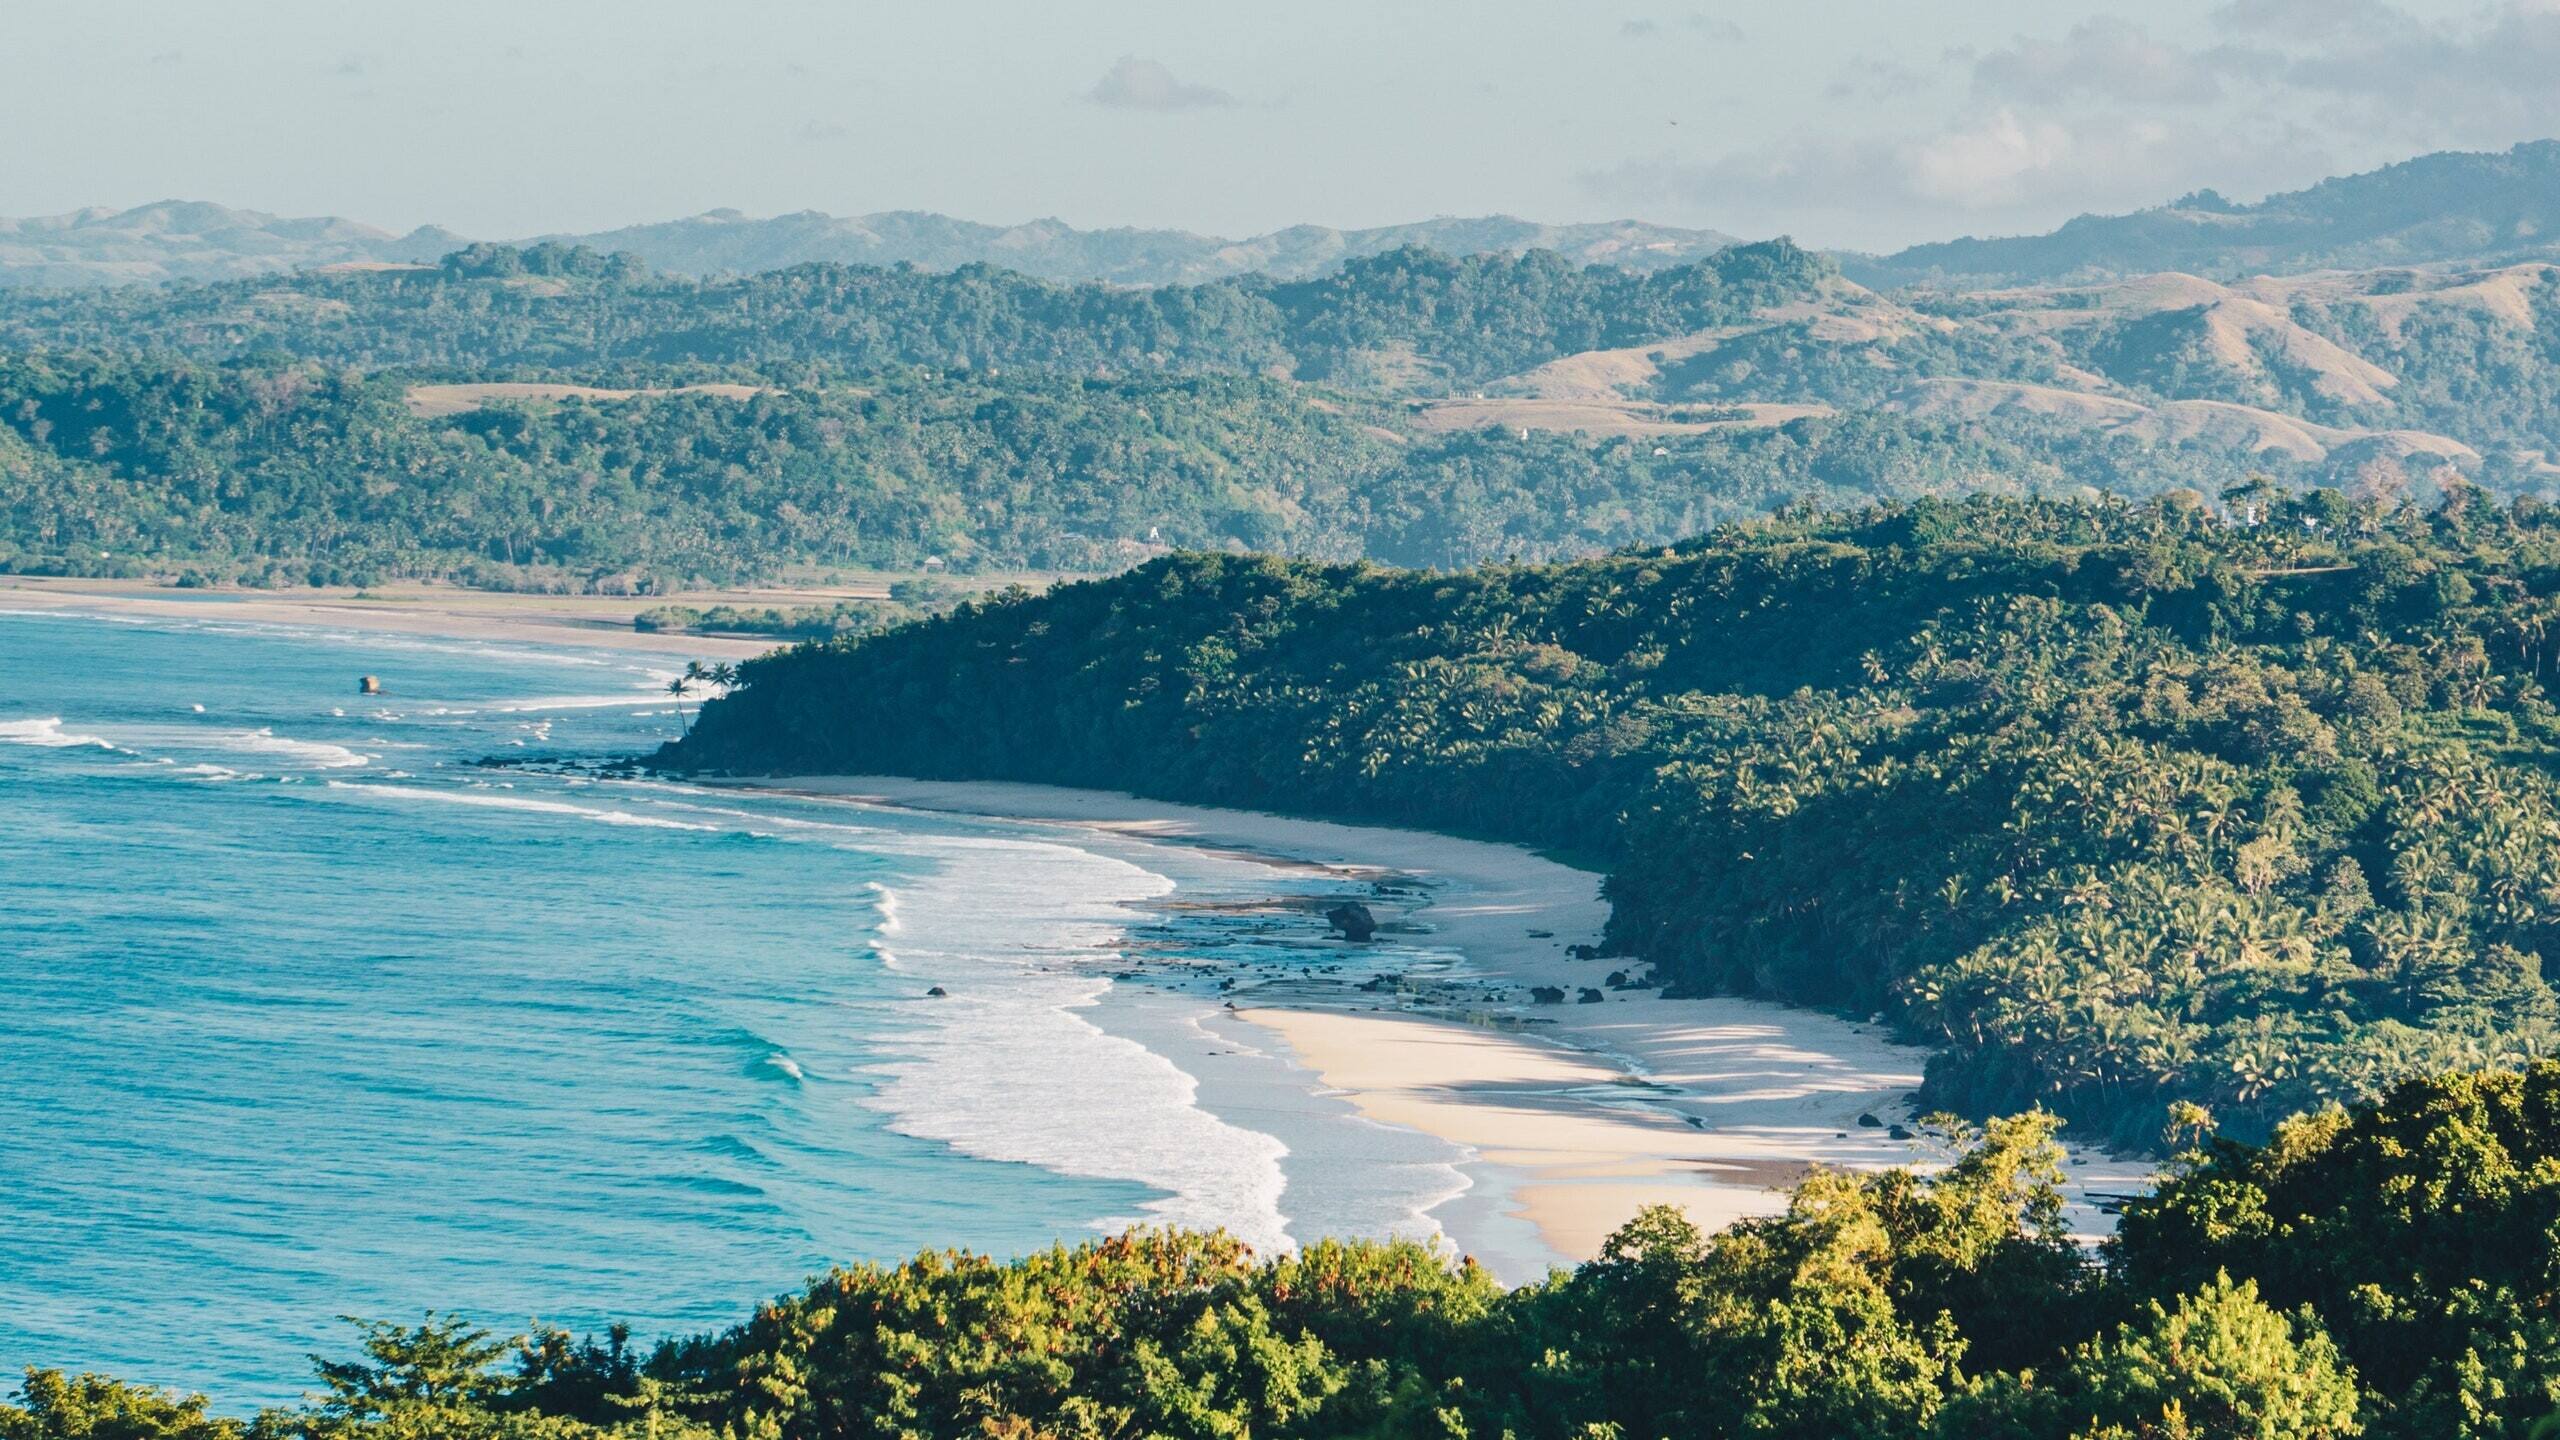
{"points": [[1576, 1114], [591, 621]]}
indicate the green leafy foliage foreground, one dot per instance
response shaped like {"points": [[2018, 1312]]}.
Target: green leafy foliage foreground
{"points": [[2116, 806], [2388, 1272]]}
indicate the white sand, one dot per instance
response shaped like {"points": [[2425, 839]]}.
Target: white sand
{"points": [[1580, 1113], [591, 622]]}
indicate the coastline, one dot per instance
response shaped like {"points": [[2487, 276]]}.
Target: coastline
{"points": [[1567, 1117], [588, 622], [1570, 1116]]}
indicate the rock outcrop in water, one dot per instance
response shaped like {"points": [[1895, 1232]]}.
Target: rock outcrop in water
{"points": [[1354, 921]]}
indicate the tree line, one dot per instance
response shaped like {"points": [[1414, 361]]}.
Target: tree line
{"points": [[2389, 1271]]}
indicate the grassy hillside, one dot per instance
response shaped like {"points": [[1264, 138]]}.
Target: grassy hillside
{"points": [[2115, 806]]}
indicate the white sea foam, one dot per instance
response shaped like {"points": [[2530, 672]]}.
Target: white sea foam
{"points": [[884, 900], [559, 702], [1019, 934], [787, 823], [494, 800], [318, 754], [48, 734]]}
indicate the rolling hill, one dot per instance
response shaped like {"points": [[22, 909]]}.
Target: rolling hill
{"points": [[2454, 206], [181, 240], [728, 242], [557, 417]]}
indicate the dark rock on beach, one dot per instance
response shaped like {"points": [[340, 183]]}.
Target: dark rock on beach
{"points": [[1353, 919]]}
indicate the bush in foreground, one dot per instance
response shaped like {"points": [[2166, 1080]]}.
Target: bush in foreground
{"points": [[2390, 1272]]}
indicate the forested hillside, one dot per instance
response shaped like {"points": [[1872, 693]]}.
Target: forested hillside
{"points": [[554, 418], [2114, 805], [278, 475], [560, 308], [2385, 1273]]}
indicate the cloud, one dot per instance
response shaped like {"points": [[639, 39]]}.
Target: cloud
{"points": [[2309, 20], [1696, 22], [2105, 58], [2365, 67], [1136, 83], [2002, 169], [2486, 80], [1880, 80], [2121, 112]]}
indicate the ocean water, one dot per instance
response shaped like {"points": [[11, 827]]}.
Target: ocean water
{"points": [[306, 1013]]}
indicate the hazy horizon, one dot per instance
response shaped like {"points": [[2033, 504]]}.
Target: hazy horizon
{"points": [[1865, 124]]}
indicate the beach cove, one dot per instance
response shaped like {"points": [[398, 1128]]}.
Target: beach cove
{"points": [[367, 1023], [1571, 1115]]}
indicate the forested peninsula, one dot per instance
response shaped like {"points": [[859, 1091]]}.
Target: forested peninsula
{"points": [[2249, 805]]}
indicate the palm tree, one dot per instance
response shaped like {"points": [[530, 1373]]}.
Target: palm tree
{"points": [[678, 687]]}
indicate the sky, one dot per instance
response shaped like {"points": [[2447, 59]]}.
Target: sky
{"points": [[1849, 123]]}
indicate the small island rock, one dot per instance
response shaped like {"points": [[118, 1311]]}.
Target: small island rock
{"points": [[1353, 919]]}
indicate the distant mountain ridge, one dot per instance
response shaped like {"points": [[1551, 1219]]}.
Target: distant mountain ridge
{"points": [[2444, 208], [726, 241], [183, 240], [2453, 206], [173, 240]]}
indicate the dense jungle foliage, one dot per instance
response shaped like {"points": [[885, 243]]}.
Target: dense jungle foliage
{"points": [[2391, 1272], [2113, 805]]}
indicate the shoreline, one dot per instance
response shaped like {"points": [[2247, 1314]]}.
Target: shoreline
{"points": [[1570, 1116], [444, 612]]}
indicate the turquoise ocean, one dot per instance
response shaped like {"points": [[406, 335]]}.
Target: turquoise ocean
{"points": [[306, 1012]]}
